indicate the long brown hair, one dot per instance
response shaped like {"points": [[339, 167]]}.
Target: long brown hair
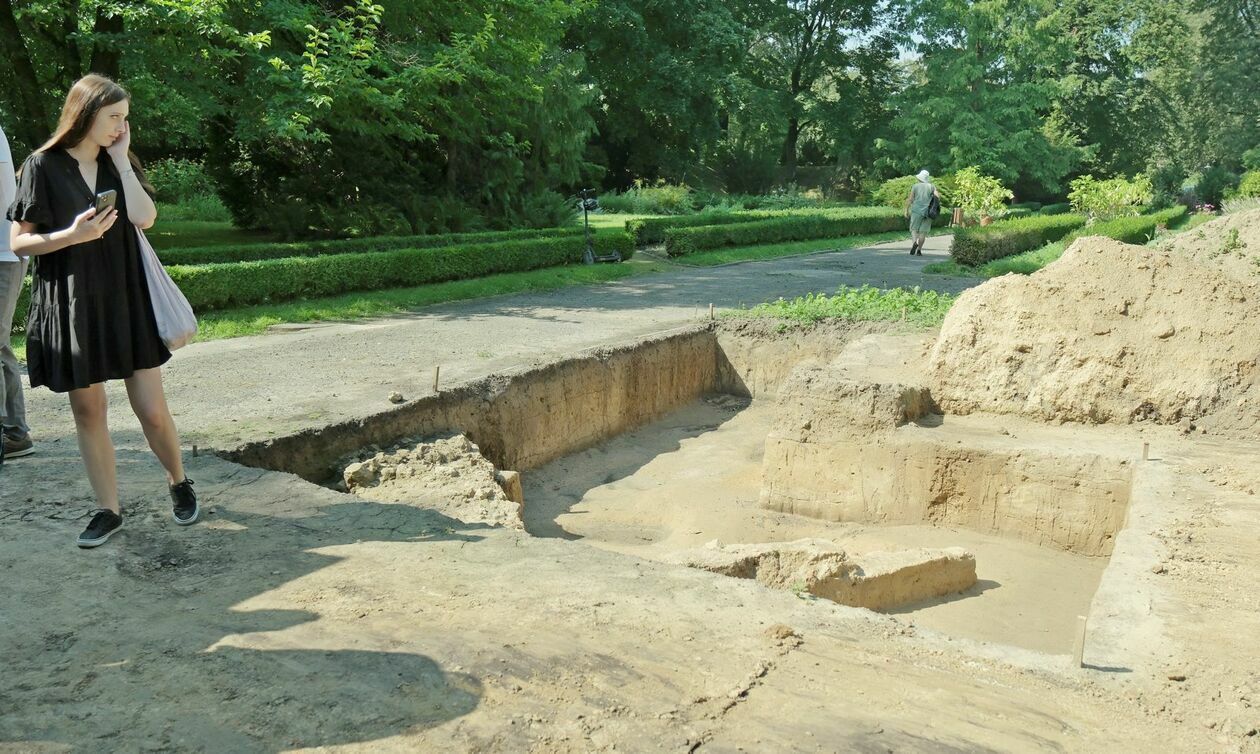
{"points": [[85, 99]]}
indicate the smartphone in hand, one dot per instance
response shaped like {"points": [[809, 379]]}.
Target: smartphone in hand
{"points": [[105, 201]]}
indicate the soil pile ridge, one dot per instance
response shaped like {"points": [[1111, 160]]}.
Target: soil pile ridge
{"points": [[1114, 333]]}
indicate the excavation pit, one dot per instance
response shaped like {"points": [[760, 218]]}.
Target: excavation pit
{"points": [[760, 439]]}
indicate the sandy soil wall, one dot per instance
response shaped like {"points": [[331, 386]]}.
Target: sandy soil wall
{"points": [[523, 419]]}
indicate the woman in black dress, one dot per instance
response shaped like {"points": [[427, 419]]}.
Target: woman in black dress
{"points": [[91, 318]]}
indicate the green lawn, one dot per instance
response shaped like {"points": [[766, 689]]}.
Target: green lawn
{"points": [[179, 234]]}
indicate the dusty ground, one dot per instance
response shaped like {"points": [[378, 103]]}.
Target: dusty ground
{"points": [[296, 617], [696, 476]]}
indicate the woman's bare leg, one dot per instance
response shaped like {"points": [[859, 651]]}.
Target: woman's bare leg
{"points": [[148, 401], [91, 423]]}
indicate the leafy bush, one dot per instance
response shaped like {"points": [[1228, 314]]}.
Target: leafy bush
{"points": [[1109, 199], [661, 199], [1248, 186], [1213, 185], [792, 227], [1134, 230], [893, 192], [546, 209], [1016, 212], [918, 307], [1251, 159], [203, 208], [1056, 209], [217, 286], [979, 195], [261, 251], [1167, 182], [177, 181], [976, 245]]}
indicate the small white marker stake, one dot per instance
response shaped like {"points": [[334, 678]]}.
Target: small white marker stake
{"points": [[1078, 647], [710, 311], [1146, 451], [437, 372]]}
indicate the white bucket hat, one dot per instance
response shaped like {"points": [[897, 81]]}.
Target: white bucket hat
{"points": [[923, 176]]}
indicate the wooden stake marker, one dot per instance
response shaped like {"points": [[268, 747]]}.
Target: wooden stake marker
{"points": [[437, 372]]}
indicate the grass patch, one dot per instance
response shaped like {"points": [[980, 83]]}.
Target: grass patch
{"points": [[913, 306], [253, 320], [179, 234], [792, 248]]}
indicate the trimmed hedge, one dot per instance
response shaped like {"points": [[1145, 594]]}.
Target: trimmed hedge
{"points": [[1134, 230], [1030, 206], [258, 251], [1017, 212], [795, 227], [975, 246], [1056, 209], [650, 230], [220, 286]]}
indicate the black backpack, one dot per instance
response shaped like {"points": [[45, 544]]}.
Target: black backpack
{"points": [[934, 207]]}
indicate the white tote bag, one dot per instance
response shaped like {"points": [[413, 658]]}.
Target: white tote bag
{"points": [[177, 325]]}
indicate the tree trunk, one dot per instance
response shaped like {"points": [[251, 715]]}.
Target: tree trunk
{"points": [[788, 160], [32, 125], [107, 30]]}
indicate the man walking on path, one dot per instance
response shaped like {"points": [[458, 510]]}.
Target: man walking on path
{"points": [[15, 437], [917, 204]]}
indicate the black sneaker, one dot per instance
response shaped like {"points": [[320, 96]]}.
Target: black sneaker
{"points": [[185, 508], [100, 528], [17, 445]]}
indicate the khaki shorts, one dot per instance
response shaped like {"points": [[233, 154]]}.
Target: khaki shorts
{"points": [[920, 224]]}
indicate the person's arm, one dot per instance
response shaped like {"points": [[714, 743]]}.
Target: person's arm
{"points": [[140, 207], [26, 242], [8, 184]]}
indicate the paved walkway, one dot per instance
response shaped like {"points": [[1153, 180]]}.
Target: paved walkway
{"points": [[231, 391]]}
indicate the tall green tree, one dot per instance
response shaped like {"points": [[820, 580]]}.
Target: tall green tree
{"points": [[662, 71], [984, 94], [823, 60]]}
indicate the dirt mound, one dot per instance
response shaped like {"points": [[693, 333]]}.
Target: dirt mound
{"points": [[1113, 333], [448, 475]]}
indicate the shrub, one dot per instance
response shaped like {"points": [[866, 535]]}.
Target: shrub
{"points": [[217, 286], [261, 251], [893, 192], [794, 227], [1112, 198], [1251, 159], [202, 208], [1248, 186], [979, 194], [1241, 204], [1056, 209], [1213, 185], [1167, 183], [177, 181], [1030, 206], [976, 245], [546, 209], [1134, 230], [1016, 212], [661, 199]]}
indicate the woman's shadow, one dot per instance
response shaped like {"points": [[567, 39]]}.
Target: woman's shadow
{"points": [[162, 663]]}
